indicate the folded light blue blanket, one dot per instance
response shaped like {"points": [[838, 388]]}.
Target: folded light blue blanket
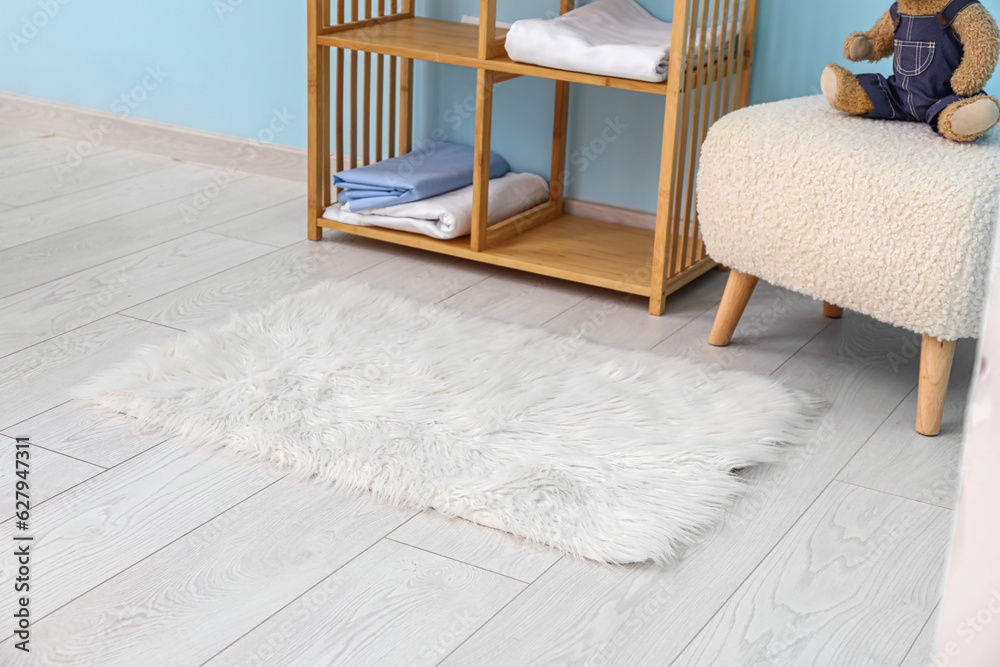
{"points": [[431, 170]]}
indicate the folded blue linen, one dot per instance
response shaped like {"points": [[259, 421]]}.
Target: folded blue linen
{"points": [[429, 171]]}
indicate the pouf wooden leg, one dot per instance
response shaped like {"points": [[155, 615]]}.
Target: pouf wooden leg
{"points": [[935, 369], [832, 311], [734, 302]]}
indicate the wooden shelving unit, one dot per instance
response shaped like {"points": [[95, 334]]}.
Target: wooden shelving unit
{"points": [[371, 84]]}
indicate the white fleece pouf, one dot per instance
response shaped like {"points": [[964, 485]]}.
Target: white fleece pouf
{"points": [[885, 218]]}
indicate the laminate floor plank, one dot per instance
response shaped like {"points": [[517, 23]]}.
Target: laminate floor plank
{"points": [[217, 582], [585, 613], [851, 584], [12, 136], [42, 376], [78, 430], [49, 473], [623, 320], [43, 152], [61, 305], [110, 522], [483, 547], [392, 605], [67, 212], [518, 297], [279, 226], [900, 461], [290, 270], [925, 652], [47, 182], [56, 257], [775, 325], [409, 272]]}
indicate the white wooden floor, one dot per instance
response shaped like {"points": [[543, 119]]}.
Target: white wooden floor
{"points": [[150, 551]]}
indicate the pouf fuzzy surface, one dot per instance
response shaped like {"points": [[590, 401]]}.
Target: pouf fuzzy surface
{"points": [[881, 217]]}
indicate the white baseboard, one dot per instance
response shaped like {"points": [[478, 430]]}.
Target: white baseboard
{"points": [[211, 148], [620, 215], [181, 143]]}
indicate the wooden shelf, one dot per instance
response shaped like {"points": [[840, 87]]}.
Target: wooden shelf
{"points": [[454, 43], [361, 111], [568, 247]]}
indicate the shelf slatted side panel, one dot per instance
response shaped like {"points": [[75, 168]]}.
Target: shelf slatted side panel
{"points": [[372, 92], [720, 33]]}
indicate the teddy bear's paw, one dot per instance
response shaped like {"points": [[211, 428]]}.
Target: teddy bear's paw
{"points": [[843, 91], [969, 119], [860, 47]]}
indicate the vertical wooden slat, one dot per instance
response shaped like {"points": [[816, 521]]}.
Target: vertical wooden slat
{"points": [[481, 175], [740, 55], [687, 108], [319, 109], [749, 47], [405, 105], [379, 93], [324, 92], [662, 243], [366, 104], [697, 120], [392, 106], [339, 97], [560, 126], [721, 69], [735, 42], [706, 120], [487, 29], [392, 94], [560, 130], [406, 93], [725, 58], [354, 95], [484, 126]]}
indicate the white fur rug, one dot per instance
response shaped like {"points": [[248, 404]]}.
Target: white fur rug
{"points": [[612, 455]]}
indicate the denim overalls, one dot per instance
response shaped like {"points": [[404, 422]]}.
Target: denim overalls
{"points": [[927, 53]]}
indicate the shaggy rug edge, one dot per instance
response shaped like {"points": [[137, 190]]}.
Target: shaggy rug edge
{"points": [[793, 421]]}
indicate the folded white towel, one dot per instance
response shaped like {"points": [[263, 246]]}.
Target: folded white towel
{"points": [[449, 216], [608, 37]]}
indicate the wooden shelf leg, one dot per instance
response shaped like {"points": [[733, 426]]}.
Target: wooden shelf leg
{"points": [[319, 117], [936, 357], [481, 176], [405, 105], [560, 127], [734, 301], [832, 311], [664, 241]]}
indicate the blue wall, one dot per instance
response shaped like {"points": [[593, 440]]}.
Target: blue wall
{"points": [[231, 66]]}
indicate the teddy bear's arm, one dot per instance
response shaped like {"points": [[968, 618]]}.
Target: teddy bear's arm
{"points": [[873, 45], [977, 31]]}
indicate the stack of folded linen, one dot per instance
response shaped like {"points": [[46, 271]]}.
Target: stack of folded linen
{"points": [[429, 191], [608, 37]]}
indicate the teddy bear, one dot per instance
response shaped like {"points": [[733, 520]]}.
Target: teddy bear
{"points": [[944, 52]]}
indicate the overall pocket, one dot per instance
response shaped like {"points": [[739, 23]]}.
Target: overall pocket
{"points": [[912, 58]]}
